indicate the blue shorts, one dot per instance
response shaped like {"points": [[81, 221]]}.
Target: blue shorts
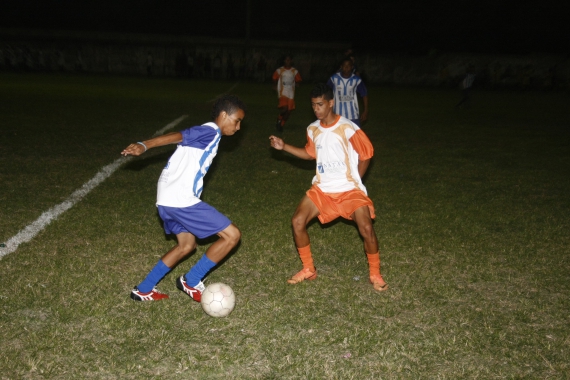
{"points": [[201, 220]]}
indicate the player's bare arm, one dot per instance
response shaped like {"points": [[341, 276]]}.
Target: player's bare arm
{"points": [[362, 167], [279, 144], [139, 148]]}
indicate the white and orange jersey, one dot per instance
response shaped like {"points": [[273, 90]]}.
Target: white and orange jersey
{"points": [[337, 149], [286, 79]]}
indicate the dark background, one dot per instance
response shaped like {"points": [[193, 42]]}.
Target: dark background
{"points": [[409, 26]]}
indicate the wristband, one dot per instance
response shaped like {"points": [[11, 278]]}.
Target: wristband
{"points": [[140, 143]]}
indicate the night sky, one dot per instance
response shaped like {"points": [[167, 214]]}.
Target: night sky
{"points": [[404, 26]]}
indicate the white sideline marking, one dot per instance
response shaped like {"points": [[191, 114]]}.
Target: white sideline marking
{"points": [[30, 231]]}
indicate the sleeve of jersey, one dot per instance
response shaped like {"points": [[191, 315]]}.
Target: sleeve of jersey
{"points": [[198, 137], [330, 83], [310, 147], [361, 89], [362, 145]]}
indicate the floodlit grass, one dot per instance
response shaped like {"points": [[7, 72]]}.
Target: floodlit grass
{"points": [[473, 214]]}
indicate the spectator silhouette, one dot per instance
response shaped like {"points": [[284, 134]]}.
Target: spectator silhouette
{"points": [[149, 63], [466, 86]]}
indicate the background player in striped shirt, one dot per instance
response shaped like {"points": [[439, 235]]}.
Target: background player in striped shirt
{"points": [[287, 78], [179, 204], [342, 152], [347, 86]]}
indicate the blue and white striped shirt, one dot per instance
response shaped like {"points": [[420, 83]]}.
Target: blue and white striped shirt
{"points": [[345, 94]]}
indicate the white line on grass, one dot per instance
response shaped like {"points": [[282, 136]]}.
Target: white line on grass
{"points": [[30, 231], [230, 89]]}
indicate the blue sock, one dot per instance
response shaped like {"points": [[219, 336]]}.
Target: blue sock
{"points": [[155, 275], [199, 271]]}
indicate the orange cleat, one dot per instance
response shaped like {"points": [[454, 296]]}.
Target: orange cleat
{"points": [[378, 282], [304, 274]]}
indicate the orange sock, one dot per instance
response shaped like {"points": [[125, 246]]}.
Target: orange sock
{"points": [[306, 257], [374, 263]]}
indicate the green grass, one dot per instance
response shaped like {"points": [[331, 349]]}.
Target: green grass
{"points": [[473, 214]]}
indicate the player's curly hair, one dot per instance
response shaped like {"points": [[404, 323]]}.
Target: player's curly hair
{"points": [[229, 103], [322, 90]]}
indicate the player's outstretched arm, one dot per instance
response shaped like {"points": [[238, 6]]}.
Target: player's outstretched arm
{"points": [[139, 148], [279, 144]]}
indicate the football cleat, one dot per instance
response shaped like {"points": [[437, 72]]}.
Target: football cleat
{"points": [[194, 292], [153, 295], [378, 282], [304, 274], [278, 126]]}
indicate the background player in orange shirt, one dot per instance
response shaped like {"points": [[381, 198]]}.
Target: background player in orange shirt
{"points": [[342, 152], [286, 77]]}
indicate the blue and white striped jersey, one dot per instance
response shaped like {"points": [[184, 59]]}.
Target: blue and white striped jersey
{"points": [[345, 94], [182, 180]]}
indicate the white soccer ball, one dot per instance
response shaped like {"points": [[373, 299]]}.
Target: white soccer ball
{"points": [[218, 300]]}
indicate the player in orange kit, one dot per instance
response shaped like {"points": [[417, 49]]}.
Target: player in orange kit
{"points": [[342, 152], [287, 78]]}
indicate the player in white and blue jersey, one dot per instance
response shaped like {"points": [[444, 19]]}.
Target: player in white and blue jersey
{"points": [[347, 86], [179, 204]]}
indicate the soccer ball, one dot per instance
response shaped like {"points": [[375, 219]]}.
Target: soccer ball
{"points": [[218, 300]]}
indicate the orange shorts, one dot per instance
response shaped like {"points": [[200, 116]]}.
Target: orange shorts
{"points": [[333, 205], [286, 102]]}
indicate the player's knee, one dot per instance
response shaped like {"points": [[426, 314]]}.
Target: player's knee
{"points": [[367, 231], [232, 235], [186, 248], [298, 222]]}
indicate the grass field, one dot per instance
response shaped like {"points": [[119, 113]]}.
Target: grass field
{"points": [[473, 219]]}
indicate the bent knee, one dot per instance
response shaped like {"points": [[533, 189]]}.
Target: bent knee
{"points": [[367, 231], [187, 248], [232, 234], [298, 222]]}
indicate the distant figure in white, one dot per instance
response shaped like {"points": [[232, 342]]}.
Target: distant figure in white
{"points": [[466, 86]]}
